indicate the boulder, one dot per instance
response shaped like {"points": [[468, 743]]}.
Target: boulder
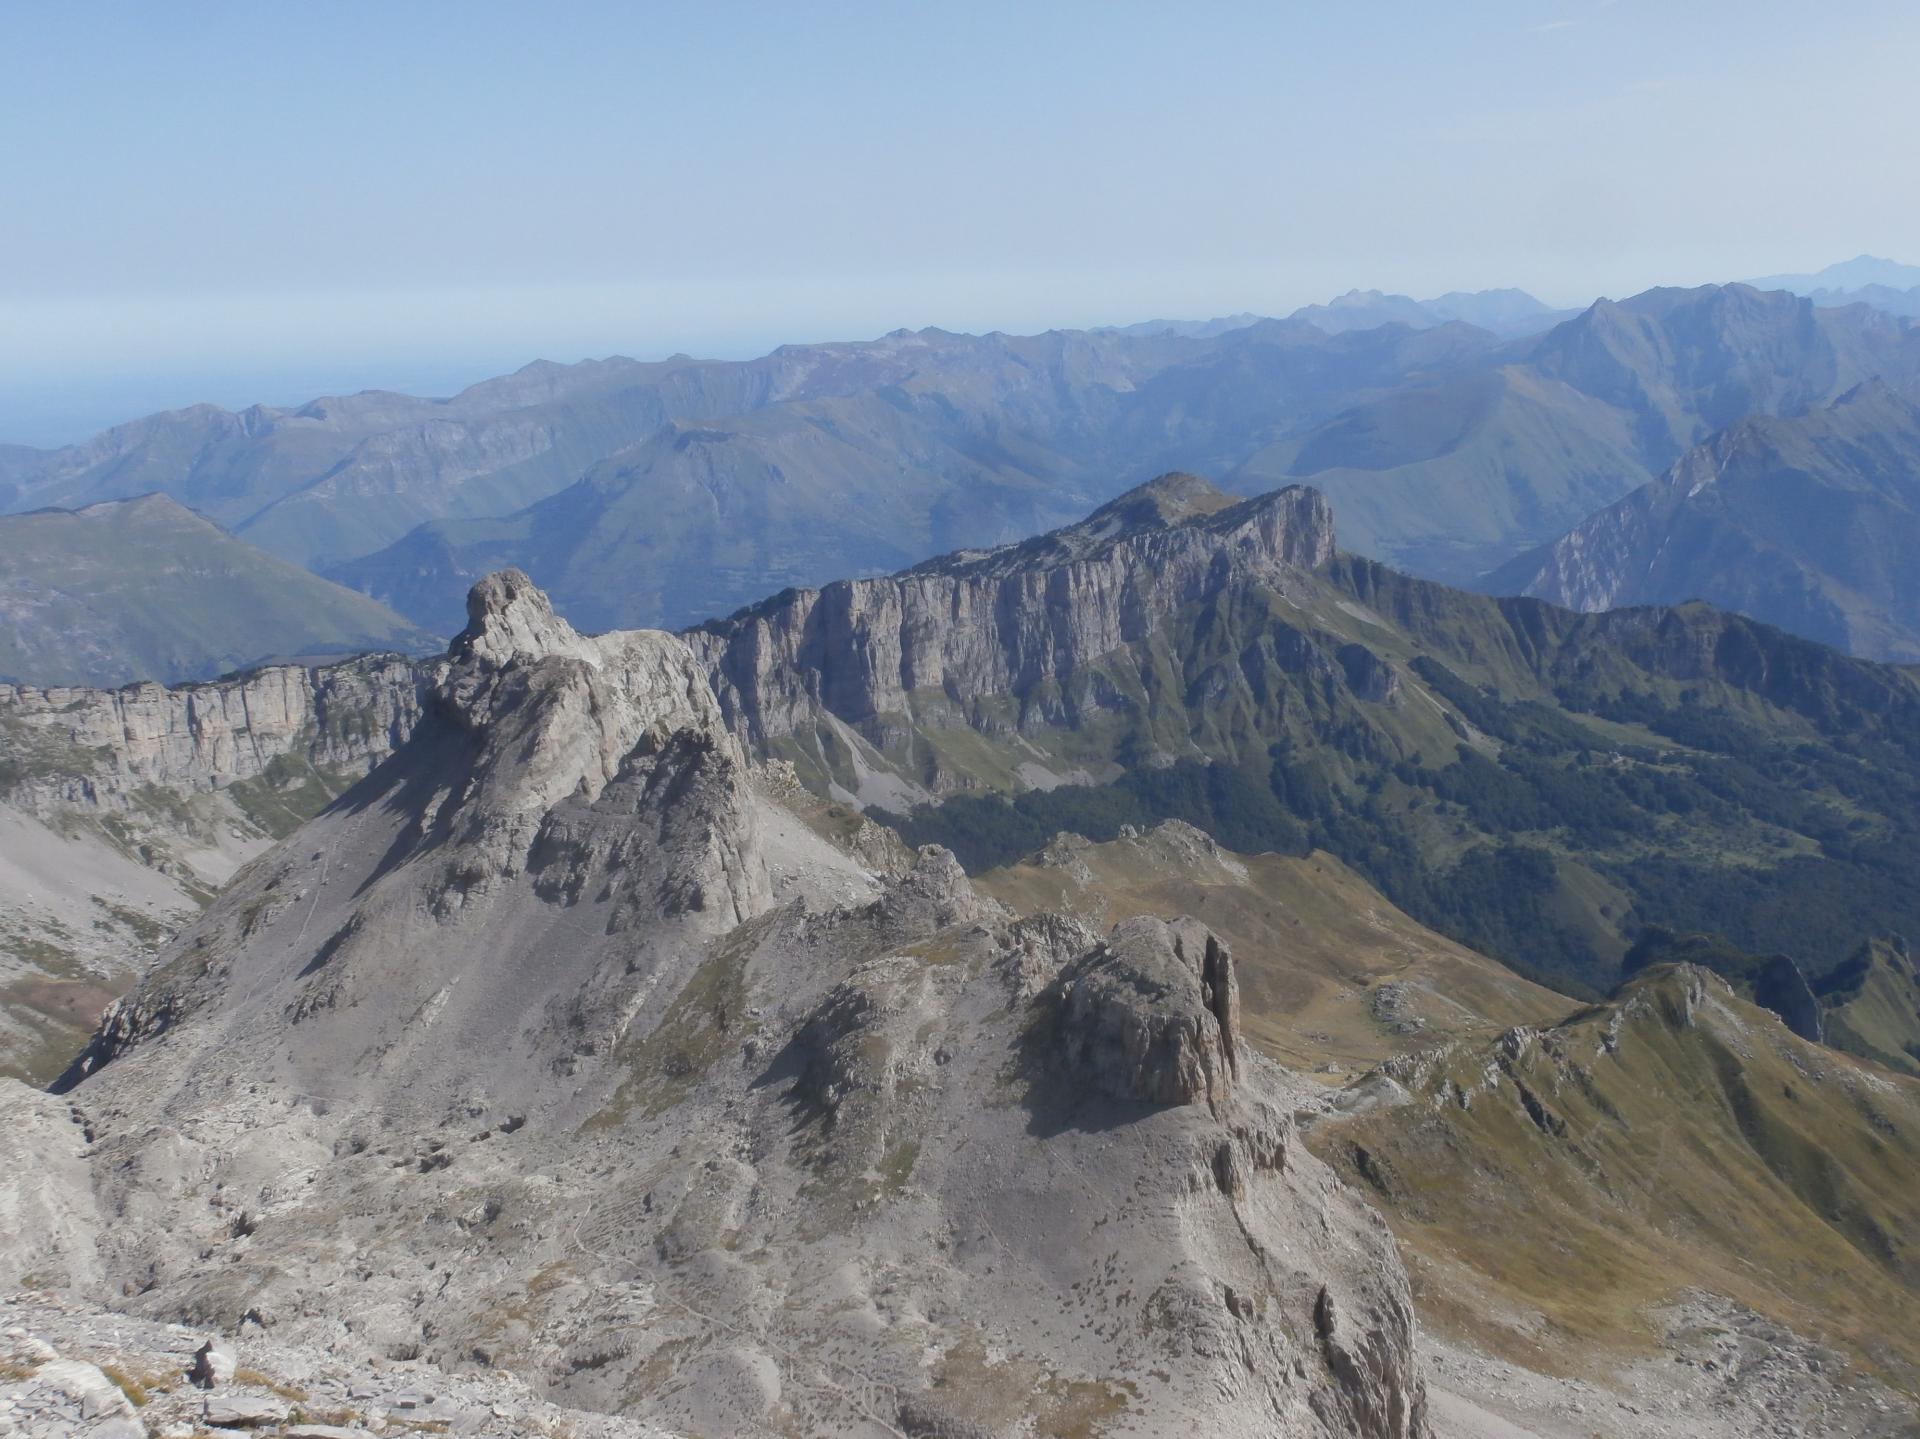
{"points": [[213, 1364], [244, 1411], [99, 1397]]}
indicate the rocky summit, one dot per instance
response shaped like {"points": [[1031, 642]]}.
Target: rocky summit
{"points": [[583, 1058], [1008, 628], [567, 1066]]}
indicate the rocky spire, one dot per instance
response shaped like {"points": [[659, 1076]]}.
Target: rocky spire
{"points": [[509, 617]]}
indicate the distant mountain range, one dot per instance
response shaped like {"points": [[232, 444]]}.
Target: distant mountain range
{"points": [[1810, 522], [1450, 435], [1894, 302], [1859, 273], [144, 589], [1884, 284], [1508, 313], [342, 476], [1445, 476], [1190, 329], [920, 443]]}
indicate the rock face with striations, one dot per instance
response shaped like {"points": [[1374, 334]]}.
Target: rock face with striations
{"points": [[122, 812], [88, 748], [560, 1047], [1014, 622], [1153, 1014]]}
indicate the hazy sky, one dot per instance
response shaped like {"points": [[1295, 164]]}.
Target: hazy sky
{"points": [[241, 201]]}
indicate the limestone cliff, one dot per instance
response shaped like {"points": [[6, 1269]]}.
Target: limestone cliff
{"points": [[86, 748], [1014, 624], [122, 811]]}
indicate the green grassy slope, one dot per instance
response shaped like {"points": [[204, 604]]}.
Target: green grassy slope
{"points": [[1872, 1004], [146, 589], [1552, 1188], [1536, 783]]}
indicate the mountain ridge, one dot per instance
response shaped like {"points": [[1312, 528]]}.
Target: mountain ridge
{"points": [[1525, 779], [567, 971], [1444, 447], [1858, 273], [1509, 313], [806, 489], [146, 589], [1801, 522], [1453, 475]]}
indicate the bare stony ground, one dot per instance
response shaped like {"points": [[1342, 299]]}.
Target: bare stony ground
{"points": [[1723, 1373], [74, 1370], [563, 1047]]}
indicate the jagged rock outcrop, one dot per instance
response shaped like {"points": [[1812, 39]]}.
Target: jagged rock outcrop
{"points": [[1011, 623], [524, 1057], [1153, 1014], [566, 721], [550, 768]]}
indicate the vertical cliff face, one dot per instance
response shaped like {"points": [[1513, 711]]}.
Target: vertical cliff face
{"points": [[691, 1117], [1014, 623], [91, 748]]}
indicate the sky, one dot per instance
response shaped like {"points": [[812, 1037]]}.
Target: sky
{"points": [[241, 202]]}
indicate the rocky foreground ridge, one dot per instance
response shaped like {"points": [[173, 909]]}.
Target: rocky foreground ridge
{"points": [[122, 812], [561, 1046]]}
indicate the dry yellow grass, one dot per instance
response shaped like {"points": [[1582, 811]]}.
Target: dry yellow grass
{"points": [[1313, 942], [1633, 1155], [1657, 1155]]}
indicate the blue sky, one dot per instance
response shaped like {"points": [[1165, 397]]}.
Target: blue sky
{"points": [[240, 201]]}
